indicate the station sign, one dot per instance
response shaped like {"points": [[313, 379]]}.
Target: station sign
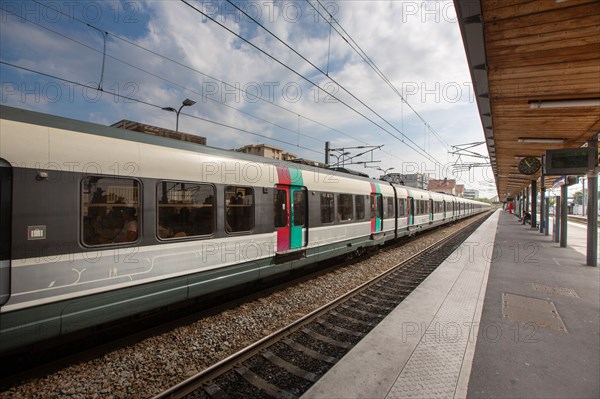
{"points": [[570, 161]]}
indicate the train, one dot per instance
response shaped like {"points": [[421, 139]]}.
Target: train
{"points": [[100, 224]]}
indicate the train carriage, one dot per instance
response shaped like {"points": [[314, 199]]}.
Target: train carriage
{"points": [[99, 224]]}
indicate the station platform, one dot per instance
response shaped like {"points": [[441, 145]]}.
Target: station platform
{"points": [[509, 314]]}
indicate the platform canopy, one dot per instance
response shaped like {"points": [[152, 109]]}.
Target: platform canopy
{"points": [[535, 66]]}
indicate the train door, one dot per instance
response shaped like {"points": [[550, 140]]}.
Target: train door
{"points": [[376, 212], [290, 217], [431, 210], [445, 209], [411, 211], [5, 229]]}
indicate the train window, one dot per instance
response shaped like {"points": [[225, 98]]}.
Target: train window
{"points": [[110, 210], [239, 209], [326, 207], [401, 207], [300, 208], [359, 205], [390, 207], [344, 207], [385, 208], [280, 208], [185, 209]]}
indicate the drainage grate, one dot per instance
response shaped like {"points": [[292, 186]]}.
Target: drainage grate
{"points": [[549, 289], [525, 309]]}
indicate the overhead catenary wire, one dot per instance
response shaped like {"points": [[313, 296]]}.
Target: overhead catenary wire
{"points": [[373, 66], [115, 36], [185, 88], [252, 95], [137, 100], [419, 150]]}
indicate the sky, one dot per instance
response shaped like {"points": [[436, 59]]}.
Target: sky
{"points": [[293, 74]]}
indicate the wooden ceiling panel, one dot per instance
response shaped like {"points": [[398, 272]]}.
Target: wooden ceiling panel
{"points": [[581, 86], [535, 51], [535, 19], [542, 57], [545, 71], [528, 8], [531, 44], [540, 32]]}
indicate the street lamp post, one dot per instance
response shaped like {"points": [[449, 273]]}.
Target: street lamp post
{"points": [[186, 103]]}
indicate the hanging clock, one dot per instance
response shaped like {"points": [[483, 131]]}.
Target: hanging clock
{"points": [[529, 165]]}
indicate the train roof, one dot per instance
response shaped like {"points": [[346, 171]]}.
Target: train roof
{"points": [[58, 122]]}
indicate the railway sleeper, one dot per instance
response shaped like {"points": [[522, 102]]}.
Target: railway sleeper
{"points": [[310, 352], [386, 309], [352, 319], [338, 329], [289, 367], [263, 385], [363, 312], [384, 295], [215, 391], [326, 339], [373, 298]]}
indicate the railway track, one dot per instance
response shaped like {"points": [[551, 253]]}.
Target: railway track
{"points": [[286, 363]]}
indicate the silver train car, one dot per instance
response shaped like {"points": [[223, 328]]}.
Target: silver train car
{"points": [[99, 224]]}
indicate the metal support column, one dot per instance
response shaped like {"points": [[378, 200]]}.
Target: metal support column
{"points": [[556, 232], [592, 220], [563, 215], [543, 204], [547, 226], [521, 205], [526, 207], [534, 204], [592, 211]]}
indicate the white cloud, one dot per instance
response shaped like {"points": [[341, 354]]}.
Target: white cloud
{"points": [[417, 45]]}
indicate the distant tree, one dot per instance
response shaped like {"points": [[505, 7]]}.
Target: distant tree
{"points": [[486, 200], [578, 198]]}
